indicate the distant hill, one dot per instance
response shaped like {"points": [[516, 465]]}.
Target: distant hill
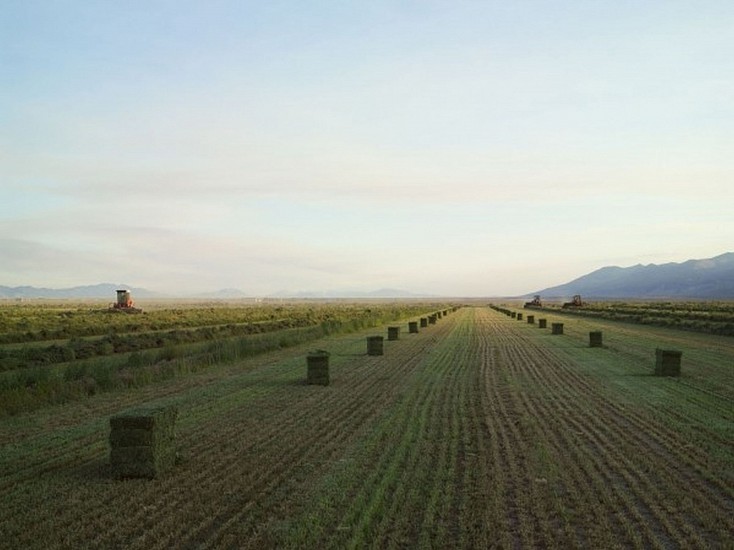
{"points": [[223, 294], [107, 291], [381, 293], [708, 279], [102, 290]]}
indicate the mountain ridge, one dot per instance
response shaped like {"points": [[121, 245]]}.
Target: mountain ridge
{"points": [[702, 279]]}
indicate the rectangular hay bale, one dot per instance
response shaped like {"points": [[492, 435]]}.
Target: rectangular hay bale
{"points": [[667, 362], [375, 345], [317, 363], [595, 339], [142, 442]]}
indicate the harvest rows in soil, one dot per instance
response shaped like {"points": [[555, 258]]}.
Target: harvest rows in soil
{"points": [[479, 431]]}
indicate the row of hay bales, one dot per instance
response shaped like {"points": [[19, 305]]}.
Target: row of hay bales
{"points": [[667, 361], [142, 441], [317, 362]]}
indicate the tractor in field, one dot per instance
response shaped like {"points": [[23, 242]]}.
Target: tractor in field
{"points": [[124, 303], [535, 302], [575, 302]]}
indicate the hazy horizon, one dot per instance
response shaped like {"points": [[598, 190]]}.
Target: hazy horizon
{"points": [[452, 149]]}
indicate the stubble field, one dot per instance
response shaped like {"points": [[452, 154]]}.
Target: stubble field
{"points": [[479, 431]]}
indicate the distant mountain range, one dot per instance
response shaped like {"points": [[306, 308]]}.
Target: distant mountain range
{"points": [[708, 279], [381, 293], [102, 290], [107, 290]]}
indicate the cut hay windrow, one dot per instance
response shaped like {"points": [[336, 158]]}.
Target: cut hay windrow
{"points": [[142, 442]]}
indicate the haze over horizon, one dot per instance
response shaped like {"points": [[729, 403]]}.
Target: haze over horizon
{"points": [[448, 148]]}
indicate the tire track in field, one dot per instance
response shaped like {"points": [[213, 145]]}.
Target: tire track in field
{"points": [[433, 472], [655, 480], [405, 460], [557, 409], [394, 447], [327, 439], [645, 431], [492, 343], [350, 420], [520, 360], [633, 480], [264, 442], [625, 431], [514, 510], [479, 517], [550, 415], [549, 527], [374, 388]]}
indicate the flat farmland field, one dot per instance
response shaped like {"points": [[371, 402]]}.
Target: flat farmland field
{"points": [[479, 431]]}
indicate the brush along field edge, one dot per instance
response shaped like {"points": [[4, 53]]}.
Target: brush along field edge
{"points": [[476, 432]]}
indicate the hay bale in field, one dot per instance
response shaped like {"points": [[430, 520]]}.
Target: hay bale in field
{"points": [[393, 333], [531, 319], [413, 327], [513, 314], [667, 362], [595, 340], [375, 345], [542, 323], [439, 314], [317, 363], [424, 322], [556, 328], [142, 442], [432, 319], [519, 316]]}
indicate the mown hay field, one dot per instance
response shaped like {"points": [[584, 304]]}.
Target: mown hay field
{"points": [[478, 431]]}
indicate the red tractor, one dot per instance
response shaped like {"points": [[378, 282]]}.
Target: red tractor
{"points": [[124, 303]]}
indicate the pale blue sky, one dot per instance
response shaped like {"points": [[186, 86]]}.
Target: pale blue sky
{"points": [[455, 148]]}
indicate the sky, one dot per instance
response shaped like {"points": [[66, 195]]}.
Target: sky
{"points": [[455, 148]]}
